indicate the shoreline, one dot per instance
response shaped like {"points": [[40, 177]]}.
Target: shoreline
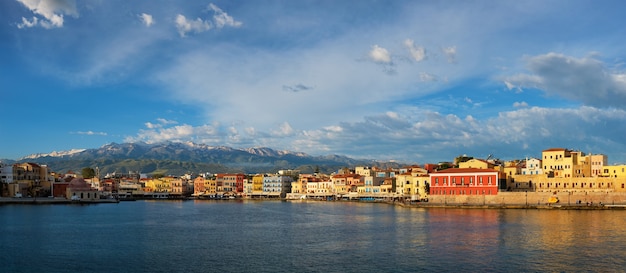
{"points": [[63, 201]]}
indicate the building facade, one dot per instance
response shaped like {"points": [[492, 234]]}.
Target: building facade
{"points": [[464, 181]]}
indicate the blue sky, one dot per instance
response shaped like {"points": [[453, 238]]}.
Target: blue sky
{"points": [[414, 81]]}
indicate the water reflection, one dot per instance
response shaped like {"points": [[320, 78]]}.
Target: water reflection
{"points": [[308, 237]]}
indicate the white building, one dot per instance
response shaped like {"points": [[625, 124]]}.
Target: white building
{"points": [[6, 173], [278, 185], [533, 166]]}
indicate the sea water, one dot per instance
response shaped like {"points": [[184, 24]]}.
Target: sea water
{"points": [[310, 236]]}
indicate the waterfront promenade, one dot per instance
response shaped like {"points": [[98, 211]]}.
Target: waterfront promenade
{"points": [[504, 200]]}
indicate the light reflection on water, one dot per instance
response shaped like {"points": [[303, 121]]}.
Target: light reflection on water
{"points": [[233, 236]]}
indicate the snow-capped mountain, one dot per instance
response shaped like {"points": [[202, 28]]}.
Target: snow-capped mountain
{"points": [[187, 157]]}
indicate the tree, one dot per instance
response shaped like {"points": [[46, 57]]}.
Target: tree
{"points": [[88, 173]]}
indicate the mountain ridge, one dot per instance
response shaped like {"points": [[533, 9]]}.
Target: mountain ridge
{"points": [[177, 158]]}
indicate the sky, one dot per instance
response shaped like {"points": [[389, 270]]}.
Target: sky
{"points": [[412, 81]]}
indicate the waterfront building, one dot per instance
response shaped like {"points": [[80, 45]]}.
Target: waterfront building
{"points": [[300, 185], [158, 185], [257, 184], [188, 187], [276, 185], [371, 184], [60, 188], [388, 185], [33, 179], [464, 181], [353, 181], [229, 183], [404, 183], [6, 180], [177, 186], [198, 186], [319, 187], [296, 186], [131, 187], [78, 189], [339, 183], [412, 185], [210, 185], [247, 187], [6, 173], [558, 162]]}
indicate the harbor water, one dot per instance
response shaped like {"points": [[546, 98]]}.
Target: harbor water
{"points": [[308, 236]]}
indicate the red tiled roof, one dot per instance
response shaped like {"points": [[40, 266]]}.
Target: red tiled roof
{"points": [[466, 170], [555, 150]]}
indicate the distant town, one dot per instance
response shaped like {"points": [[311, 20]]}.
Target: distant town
{"points": [[559, 176]]}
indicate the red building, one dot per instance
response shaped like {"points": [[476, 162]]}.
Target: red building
{"points": [[465, 181]]}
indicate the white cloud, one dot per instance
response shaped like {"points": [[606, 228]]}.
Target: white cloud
{"points": [[161, 122], [90, 133], [587, 80], [166, 121], [379, 55], [222, 19], [433, 135], [26, 23], [184, 26], [418, 53], [146, 19], [450, 53], [284, 130], [52, 12], [521, 104], [426, 77]]}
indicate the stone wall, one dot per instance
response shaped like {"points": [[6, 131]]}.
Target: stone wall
{"points": [[531, 198], [551, 184]]}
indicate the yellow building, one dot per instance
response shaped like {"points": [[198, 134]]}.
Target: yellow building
{"points": [[340, 183], [615, 171], [476, 164], [32, 178], [363, 171], [158, 185], [210, 186], [404, 184], [412, 185], [257, 184], [559, 162]]}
